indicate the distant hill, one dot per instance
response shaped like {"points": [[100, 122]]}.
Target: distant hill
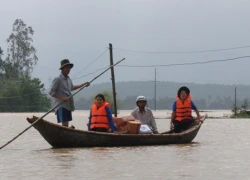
{"points": [[207, 92]]}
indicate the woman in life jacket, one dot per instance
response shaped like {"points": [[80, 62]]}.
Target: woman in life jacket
{"points": [[181, 117], [100, 119]]}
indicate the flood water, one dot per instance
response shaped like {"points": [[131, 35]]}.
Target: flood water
{"points": [[221, 150]]}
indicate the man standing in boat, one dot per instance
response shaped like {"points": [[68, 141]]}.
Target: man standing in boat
{"points": [[60, 91], [144, 114]]}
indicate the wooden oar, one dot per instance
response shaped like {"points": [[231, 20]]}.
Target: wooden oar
{"points": [[59, 105]]}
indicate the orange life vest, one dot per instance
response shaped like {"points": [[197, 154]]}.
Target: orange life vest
{"points": [[183, 109], [99, 118]]}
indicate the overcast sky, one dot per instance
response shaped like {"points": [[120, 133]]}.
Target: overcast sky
{"points": [[81, 30]]}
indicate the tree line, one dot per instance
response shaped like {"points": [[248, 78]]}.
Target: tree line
{"points": [[164, 103], [19, 92]]}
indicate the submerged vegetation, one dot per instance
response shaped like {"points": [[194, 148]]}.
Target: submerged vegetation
{"points": [[242, 111]]}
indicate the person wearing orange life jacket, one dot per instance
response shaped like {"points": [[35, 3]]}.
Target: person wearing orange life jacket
{"points": [[181, 116], [101, 116]]}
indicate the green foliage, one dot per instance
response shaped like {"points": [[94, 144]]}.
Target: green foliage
{"points": [[240, 116], [109, 98], [21, 54], [244, 105], [241, 112], [27, 96], [18, 91], [1, 63]]}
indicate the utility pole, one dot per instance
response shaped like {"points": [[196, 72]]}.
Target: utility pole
{"points": [[155, 89], [235, 107], [113, 78]]}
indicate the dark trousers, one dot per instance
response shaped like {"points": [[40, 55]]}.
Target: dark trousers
{"points": [[183, 125], [100, 129]]}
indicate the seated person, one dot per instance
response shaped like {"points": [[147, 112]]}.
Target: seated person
{"points": [[181, 117], [144, 114], [100, 119]]}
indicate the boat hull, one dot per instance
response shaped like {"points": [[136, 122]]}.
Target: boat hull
{"points": [[61, 137]]}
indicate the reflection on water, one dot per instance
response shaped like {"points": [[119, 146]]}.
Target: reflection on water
{"points": [[220, 151]]}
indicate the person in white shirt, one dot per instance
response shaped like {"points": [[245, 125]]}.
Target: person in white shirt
{"points": [[144, 114]]}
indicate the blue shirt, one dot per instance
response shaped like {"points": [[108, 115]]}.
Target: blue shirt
{"points": [[110, 119], [192, 105]]}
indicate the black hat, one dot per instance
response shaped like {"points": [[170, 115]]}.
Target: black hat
{"points": [[65, 62]]}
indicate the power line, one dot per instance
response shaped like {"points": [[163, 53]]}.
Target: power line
{"points": [[181, 52], [186, 64], [162, 65], [90, 73], [11, 97], [35, 92], [91, 63]]}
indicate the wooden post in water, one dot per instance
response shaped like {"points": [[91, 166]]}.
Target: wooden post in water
{"points": [[155, 90], [235, 106], [113, 78]]}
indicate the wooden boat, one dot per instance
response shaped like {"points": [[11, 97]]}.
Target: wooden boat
{"points": [[58, 136]]}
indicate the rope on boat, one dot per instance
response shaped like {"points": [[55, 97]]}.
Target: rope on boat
{"points": [[59, 104]]}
